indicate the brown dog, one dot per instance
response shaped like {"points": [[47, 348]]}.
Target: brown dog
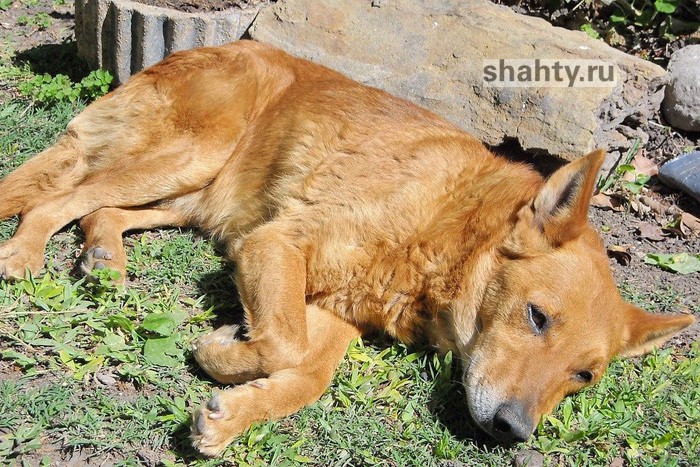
{"points": [[345, 209]]}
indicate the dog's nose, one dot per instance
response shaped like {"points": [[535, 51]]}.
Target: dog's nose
{"points": [[512, 424]]}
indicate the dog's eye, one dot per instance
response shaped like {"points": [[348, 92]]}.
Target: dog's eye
{"points": [[539, 321], [584, 376]]}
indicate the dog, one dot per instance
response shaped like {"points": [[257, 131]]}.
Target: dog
{"points": [[345, 210]]}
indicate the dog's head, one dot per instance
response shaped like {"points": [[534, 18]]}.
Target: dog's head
{"points": [[551, 318]]}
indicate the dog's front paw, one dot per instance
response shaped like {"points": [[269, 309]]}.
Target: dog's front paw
{"points": [[16, 260], [220, 421]]}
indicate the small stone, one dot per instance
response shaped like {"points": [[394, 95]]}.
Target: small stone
{"points": [[683, 173], [529, 458], [617, 462], [681, 105], [148, 457], [106, 379], [452, 464]]}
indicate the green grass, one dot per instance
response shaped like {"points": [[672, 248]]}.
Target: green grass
{"points": [[109, 373]]}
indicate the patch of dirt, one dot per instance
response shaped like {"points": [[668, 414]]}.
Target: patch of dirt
{"points": [[54, 452], [622, 229], [27, 24], [192, 6], [9, 371], [654, 40]]}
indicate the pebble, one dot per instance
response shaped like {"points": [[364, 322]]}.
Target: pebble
{"points": [[106, 379], [617, 462], [529, 458], [681, 104], [683, 173]]}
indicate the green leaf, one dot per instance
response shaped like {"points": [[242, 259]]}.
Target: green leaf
{"points": [[114, 341], [666, 6], [20, 359], [121, 322], [160, 351], [588, 29], [43, 342], [625, 168], [160, 323], [572, 436], [663, 441], [163, 323], [91, 366], [67, 360], [682, 263]]}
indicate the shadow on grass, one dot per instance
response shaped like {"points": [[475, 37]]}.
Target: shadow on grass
{"points": [[181, 444], [448, 404], [54, 59], [221, 295]]}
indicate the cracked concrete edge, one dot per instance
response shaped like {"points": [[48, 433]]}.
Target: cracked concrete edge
{"points": [[125, 37]]}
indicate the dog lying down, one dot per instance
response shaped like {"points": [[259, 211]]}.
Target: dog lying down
{"points": [[346, 209]]}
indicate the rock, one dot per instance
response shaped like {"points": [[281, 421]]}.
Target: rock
{"points": [[529, 458], [106, 378], [683, 173], [617, 462], [681, 105], [432, 53], [125, 37]]}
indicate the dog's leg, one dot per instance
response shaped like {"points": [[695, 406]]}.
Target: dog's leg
{"points": [[25, 251], [103, 230], [55, 170], [228, 413], [271, 279]]}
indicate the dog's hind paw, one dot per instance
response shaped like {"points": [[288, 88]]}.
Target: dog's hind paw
{"points": [[225, 335], [216, 424], [97, 258]]}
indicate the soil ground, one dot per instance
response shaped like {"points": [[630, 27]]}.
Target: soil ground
{"points": [[192, 6]]}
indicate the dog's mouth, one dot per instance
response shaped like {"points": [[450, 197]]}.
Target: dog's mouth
{"points": [[482, 399], [504, 419]]}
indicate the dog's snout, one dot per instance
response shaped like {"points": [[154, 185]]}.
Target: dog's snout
{"points": [[511, 423]]}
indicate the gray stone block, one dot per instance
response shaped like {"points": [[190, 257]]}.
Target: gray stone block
{"points": [[683, 173], [125, 37], [433, 52]]}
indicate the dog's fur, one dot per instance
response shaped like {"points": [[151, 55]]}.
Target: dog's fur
{"points": [[345, 209]]}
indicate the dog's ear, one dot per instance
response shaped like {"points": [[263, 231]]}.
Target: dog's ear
{"points": [[560, 209], [644, 331]]}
